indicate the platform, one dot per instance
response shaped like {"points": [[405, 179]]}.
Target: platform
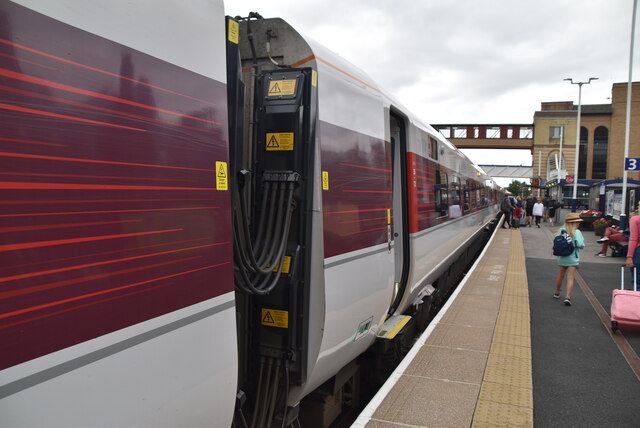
{"points": [[504, 352]]}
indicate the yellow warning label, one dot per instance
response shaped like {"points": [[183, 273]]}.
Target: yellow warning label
{"points": [[325, 180], [286, 265], [275, 318], [282, 87], [314, 78], [234, 31], [222, 178], [388, 216], [279, 141]]}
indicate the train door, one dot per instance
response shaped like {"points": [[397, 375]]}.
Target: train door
{"points": [[398, 228]]}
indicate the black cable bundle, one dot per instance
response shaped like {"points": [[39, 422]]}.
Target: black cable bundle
{"points": [[256, 258]]}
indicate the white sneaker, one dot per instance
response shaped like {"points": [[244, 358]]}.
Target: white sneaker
{"points": [[603, 239], [601, 255]]}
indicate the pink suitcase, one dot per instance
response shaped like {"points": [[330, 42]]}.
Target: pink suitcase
{"points": [[625, 306]]}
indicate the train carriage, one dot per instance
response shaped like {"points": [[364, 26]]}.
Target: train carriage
{"points": [[204, 217]]}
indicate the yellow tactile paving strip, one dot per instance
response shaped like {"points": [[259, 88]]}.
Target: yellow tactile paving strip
{"points": [[506, 394], [474, 370]]}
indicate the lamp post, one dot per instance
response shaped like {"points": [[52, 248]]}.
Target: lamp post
{"points": [[574, 200]]}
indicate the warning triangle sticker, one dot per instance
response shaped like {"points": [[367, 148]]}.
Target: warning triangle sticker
{"points": [[273, 142], [268, 318], [274, 89], [221, 172]]}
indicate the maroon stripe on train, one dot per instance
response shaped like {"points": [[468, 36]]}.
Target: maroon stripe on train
{"points": [[360, 189], [109, 214]]}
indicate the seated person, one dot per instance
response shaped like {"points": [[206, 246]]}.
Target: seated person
{"points": [[610, 234]]}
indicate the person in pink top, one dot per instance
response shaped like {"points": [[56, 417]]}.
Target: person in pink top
{"points": [[633, 253]]}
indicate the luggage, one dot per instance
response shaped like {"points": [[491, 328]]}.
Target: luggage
{"points": [[625, 306], [515, 223], [523, 219]]}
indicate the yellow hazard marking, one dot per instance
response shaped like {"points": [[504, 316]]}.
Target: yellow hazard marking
{"points": [[282, 87], [222, 178], [388, 216], [286, 265], [279, 141], [234, 31], [325, 180], [314, 78], [275, 318], [397, 328]]}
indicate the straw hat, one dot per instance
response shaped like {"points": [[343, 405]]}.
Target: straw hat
{"points": [[572, 218]]}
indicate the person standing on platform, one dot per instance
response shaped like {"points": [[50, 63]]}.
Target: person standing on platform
{"points": [[569, 264], [552, 211], [538, 210], [528, 207], [507, 206], [633, 251]]}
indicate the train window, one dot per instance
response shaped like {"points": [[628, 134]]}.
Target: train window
{"points": [[469, 196], [455, 209], [433, 148], [441, 205]]}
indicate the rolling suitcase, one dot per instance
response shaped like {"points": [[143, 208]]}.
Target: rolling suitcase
{"points": [[625, 306], [523, 219]]}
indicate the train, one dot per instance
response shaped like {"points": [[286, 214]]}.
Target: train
{"points": [[206, 220]]}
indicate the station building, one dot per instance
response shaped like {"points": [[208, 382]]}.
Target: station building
{"points": [[601, 157]]}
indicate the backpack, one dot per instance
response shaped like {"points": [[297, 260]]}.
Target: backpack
{"points": [[563, 245]]}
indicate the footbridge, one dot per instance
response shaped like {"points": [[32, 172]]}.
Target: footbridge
{"points": [[518, 136]]}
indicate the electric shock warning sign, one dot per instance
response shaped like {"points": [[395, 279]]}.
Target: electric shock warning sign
{"points": [[279, 141], [282, 87], [222, 178], [275, 318]]}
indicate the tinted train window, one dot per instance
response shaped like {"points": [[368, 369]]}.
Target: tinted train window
{"points": [[441, 203]]}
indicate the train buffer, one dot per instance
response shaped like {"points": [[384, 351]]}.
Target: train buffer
{"points": [[504, 352]]}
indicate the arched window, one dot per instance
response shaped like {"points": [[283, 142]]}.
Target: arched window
{"points": [[600, 147], [582, 166], [555, 165]]}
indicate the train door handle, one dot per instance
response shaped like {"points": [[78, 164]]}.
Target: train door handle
{"points": [[389, 236]]}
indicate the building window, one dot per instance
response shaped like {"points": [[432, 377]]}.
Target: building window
{"points": [[554, 131], [493, 132], [526, 132], [459, 132], [600, 147], [582, 166]]}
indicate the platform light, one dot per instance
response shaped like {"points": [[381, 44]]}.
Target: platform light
{"points": [[574, 200]]}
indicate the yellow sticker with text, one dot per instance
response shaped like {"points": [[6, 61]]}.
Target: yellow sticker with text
{"points": [[222, 176], [274, 318], [282, 87], [279, 141], [325, 180], [314, 78], [286, 265], [388, 216], [234, 31]]}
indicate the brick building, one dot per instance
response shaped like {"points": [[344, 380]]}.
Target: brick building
{"points": [[602, 136]]}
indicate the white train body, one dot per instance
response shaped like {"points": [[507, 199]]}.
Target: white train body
{"points": [[119, 204]]}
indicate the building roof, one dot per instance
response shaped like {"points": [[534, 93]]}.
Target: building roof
{"points": [[596, 109]]}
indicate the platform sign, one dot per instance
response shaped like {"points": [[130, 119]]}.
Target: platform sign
{"points": [[569, 179], [632, 164]]}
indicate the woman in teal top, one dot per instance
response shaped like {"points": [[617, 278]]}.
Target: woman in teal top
{"points": [[568, 264]]}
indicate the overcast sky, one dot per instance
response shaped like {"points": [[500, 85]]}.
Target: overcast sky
{"points": [[472, 61]]}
